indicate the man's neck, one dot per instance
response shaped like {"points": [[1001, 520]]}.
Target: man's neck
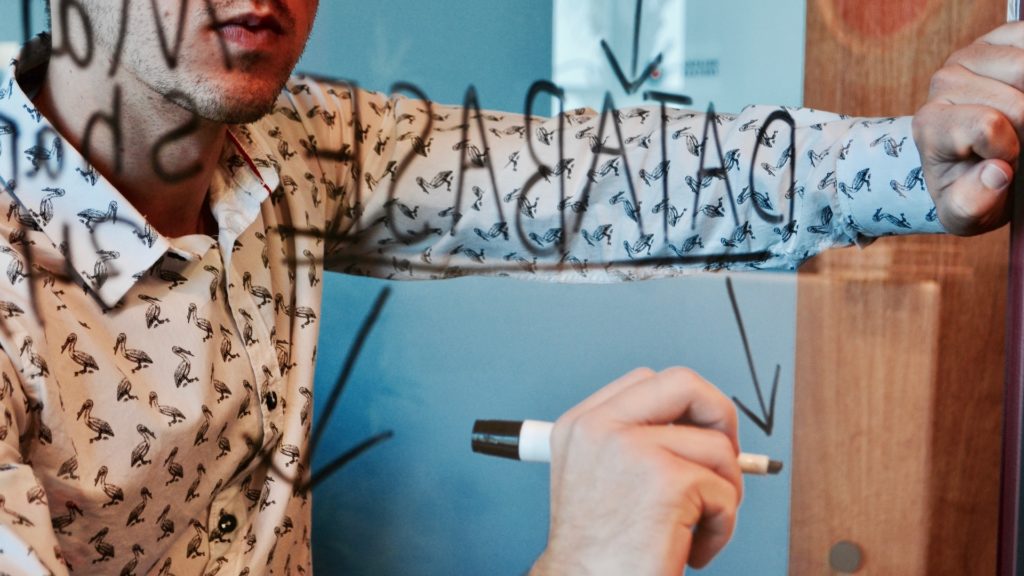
{"points": [[162, 169]]}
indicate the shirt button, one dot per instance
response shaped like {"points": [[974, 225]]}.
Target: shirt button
{"points": [[271, 400], [227, 523]]}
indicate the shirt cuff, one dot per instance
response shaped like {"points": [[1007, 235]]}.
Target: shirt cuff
{"points": [[880, 184]]}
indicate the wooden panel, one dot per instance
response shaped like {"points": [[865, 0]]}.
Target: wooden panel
{"points": [[871, 426], [874, 57]]}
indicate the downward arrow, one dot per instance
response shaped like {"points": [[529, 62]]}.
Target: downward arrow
{"points": [[631, 86], [766, 420]]}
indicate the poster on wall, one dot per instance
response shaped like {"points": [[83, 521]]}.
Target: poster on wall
{"points": [[622, 49], [8, 50], [730, 53]]}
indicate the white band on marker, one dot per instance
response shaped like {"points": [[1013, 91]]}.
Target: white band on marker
{"points": [[535, 441], [754, 463]]}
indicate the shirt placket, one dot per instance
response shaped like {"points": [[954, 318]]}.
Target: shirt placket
{"points": [[231, 515], [232, 512]]}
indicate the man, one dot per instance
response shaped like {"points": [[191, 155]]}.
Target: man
{"points": [[171, 208]]}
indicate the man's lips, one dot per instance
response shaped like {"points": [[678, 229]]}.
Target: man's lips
{"points": [[253, 23], [251, 32]]}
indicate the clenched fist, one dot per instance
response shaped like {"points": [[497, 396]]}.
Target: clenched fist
{"points": [[969, 132]]}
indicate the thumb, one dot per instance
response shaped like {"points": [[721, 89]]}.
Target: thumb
{"points": [[976, 201]]}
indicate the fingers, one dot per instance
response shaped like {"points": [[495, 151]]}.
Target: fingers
{"points": [[969, 153], [1002, 63], [608, 391], [708, 448], [969, 132], [957, 85], [974, 206], [669, 445], [674, 395], [717, 501], [1009, 34], [947, 132], [647, 398]]}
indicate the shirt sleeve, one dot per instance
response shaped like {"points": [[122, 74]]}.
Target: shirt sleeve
{"points": [[28, 545], [432, 191]]}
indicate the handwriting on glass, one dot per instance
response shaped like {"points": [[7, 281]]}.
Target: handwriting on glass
{"points": [[45, 139]]}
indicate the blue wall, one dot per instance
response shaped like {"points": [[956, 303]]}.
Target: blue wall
{"points": [[11, 19], [443, 47]]}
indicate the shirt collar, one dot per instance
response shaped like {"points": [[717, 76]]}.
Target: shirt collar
{"points": [[240, 186], [56, 191]]}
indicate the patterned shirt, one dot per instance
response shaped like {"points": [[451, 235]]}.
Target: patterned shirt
{"points": [[155, 392]]}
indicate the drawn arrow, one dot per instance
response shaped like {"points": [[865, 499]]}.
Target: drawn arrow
{"points": [[631, 86], [332, 401], [766, 420]]}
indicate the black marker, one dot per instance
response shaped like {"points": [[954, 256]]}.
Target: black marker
{"points": [[530, 441]]}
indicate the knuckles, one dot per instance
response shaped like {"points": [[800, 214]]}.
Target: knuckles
{"points": [[945, 78], [690, 381], [1015, 31], [586, 430], [1018, 68], [642, 372], [1015, 114], [991, 125], [685, 375], [923, 122]]}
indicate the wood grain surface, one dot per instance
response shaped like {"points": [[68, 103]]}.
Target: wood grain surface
{"points": [[900, 354]]}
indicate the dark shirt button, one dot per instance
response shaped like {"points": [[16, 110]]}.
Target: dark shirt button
{"points": [[271, 400], [227, 523]]}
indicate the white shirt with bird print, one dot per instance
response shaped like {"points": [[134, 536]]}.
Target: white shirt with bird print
{"points": [[156, 393]]}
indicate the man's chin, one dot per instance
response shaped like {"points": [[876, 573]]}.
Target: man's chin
{"points": [[241, 98], [235, 110], [232, 113], [228, 105]]}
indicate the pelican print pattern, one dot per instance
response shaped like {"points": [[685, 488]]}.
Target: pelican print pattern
{"points": [[155, 392]]}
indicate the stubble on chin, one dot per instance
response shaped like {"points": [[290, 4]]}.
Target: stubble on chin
{"points": [[233, 111], [239, 105]]}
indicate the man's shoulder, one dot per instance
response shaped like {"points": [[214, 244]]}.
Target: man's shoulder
{"points": [[309, 90], [308, 104], [312, 93]]}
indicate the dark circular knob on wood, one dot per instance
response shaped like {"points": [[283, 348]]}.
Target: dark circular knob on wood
{"points": [[846, 557]]}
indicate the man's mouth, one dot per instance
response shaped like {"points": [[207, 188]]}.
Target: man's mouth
{"points": [[254, 22], [250, 30]]}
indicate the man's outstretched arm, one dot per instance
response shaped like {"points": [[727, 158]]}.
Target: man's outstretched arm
{"points": [[436, 191]]}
